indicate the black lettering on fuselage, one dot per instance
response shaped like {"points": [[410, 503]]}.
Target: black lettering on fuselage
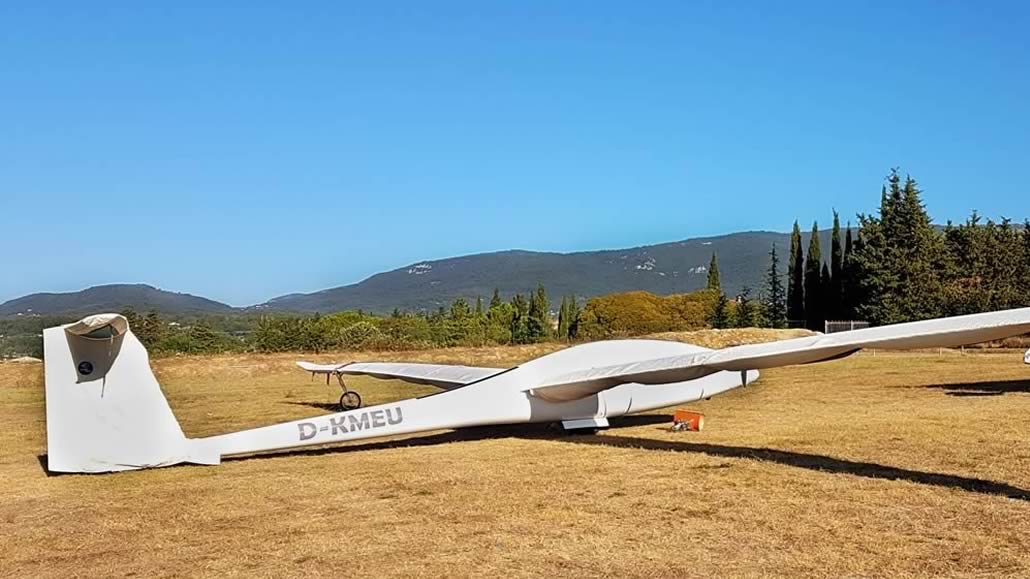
{"points": [[338, 424], [378, 420], [352, 423], [359, 423], [308, 430]]}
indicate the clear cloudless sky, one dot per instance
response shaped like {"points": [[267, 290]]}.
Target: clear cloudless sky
{"points": [[242, 150]]}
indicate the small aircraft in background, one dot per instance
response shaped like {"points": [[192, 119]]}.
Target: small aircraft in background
{"points": [[106, 412]]}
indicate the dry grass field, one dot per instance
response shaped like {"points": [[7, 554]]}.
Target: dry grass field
{"points": [[879, 465]]}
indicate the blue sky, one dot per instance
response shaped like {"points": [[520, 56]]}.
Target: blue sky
{"points": [[241, 150]]}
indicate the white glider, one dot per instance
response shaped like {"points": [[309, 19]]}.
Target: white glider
{"points": [[105, 410]]}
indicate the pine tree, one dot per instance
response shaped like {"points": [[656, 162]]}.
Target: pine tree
{"points": [[775, 300], [745, 309], [499, 320], [795, 277], [714, 282], [460, 309], [721, 312], [899, 264], [460, 323], [813, 282], [920, 249], [835, 285]]}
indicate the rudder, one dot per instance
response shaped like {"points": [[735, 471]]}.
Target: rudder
{"points": [[104, 408]]}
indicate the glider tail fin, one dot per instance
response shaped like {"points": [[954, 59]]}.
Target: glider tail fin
{"points": [[104, 408]]}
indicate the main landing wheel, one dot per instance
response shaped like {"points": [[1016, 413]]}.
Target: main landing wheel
{"points": [[350, 400]]}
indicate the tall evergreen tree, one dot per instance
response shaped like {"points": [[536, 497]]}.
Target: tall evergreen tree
{"points": [[714, 282], [1025, 263], [563, 319], [835, 285], [847, 274], [745, 310], [721, 312], [500, 320], [539, 320], [826, 284], [574, 315], [460, 323], [813, 282], [519, 319], [775, 300], [796, 277], [899, 265]]}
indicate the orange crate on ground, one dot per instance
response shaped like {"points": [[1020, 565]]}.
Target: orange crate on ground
{"points": [[687, 420]]}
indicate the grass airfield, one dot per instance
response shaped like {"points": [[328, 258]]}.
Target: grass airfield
{"points": [[878, 465]]}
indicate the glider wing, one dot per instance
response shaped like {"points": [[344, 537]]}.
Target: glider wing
{"points": [[439, 375], [938, 333]]}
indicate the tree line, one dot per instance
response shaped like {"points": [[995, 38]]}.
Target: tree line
{"points": [[897, 266], [523, 319]]}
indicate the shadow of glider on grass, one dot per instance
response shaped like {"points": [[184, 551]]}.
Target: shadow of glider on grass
{"points": [[106, 412]]}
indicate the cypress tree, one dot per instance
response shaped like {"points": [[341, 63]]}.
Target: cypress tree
{"points": [[826, 285], [813, 282], [795, 277], [539, 318], [519, 319], [775, 301], [574, 314], [563, 319], [714, 283], [835, 285], [847, 273], [1025, 264]]}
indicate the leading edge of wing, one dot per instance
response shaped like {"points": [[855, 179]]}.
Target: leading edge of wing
{"points": [[941, 332]]}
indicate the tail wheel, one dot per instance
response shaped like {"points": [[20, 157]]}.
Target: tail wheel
{"points": [[350, 400]]}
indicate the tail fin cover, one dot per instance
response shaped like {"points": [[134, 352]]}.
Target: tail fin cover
{"points": [[105, 410]]}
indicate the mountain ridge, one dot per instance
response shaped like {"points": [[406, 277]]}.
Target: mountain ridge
{"points": [[112, 297], [663, 268]]}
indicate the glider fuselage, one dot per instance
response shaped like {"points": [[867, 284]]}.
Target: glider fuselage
{"points": [[504, 398]]}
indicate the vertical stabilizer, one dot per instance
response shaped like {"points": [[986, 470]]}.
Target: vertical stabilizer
{"points": [[105, 410]]}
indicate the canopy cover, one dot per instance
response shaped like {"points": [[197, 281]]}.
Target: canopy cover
{"points": [[99, 326]]}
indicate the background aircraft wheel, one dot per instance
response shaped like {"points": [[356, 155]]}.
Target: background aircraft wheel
{"points": [[350, 400]]}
